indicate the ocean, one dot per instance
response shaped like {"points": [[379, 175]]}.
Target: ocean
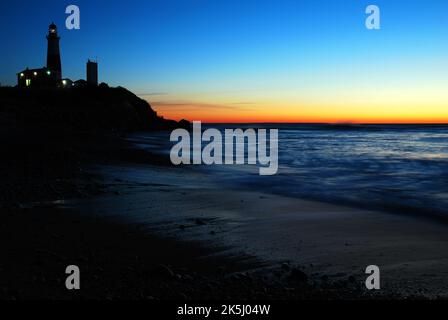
{"points": [[401, 168]]}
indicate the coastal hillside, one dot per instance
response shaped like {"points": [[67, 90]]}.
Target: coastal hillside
{"points": [[80, 109], [49, 135]]}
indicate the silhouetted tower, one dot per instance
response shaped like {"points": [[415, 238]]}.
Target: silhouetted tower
{"points": [[92, 73], [53, 53]]}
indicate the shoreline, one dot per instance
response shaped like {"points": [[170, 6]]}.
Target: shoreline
{"points": [[118, 261], [123, 258], [324, 241]]}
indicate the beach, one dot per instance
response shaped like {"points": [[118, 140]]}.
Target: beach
{"points": [[140, 228], [323, 240]]}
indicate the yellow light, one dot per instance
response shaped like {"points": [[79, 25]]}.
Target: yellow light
{"points": [[35, 73], [48, 72], [21, 75], [64, 82]]}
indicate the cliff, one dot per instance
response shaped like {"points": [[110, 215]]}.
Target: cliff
{"points": [[80, 109], [49, 135]]}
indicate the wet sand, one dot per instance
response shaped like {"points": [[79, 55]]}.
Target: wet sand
{"points": [[141, 229], [324, 240], [53, 215]]}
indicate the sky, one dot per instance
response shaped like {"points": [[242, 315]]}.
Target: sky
{"points": [[249, 61]]}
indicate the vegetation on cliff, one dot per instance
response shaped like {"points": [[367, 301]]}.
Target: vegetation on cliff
{"points": [[49, 135], [98, 109]]}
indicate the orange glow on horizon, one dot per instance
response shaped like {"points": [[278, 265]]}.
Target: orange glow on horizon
{"points": [[308, 115], [311, 120]]}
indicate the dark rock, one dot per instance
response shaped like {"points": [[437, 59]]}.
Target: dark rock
{"points": [[200, 222], [222, 270], [298, 275], [340, 275], [163, 272], [181, 296], [187, 277], [184, 124], [285, 266]]}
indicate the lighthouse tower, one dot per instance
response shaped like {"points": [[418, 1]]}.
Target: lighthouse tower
{"points": [[53, 53]]}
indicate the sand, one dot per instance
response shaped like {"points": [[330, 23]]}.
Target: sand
{"points": [[142, 229], [323, 239]]}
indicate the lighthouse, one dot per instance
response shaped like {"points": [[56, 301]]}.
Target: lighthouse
{"points": [[50, 76], [53, 53]]}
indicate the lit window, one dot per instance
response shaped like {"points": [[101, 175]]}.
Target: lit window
{"points": [[28, 82]]}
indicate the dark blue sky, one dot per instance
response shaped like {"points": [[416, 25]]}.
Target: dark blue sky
{"points": [[220, 53]]}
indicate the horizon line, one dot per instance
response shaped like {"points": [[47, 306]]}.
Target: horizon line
{"points": [[329, 123]]}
